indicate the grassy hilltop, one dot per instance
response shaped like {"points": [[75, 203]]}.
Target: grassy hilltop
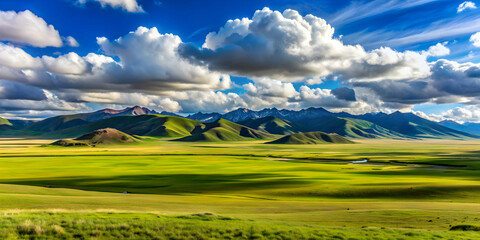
{"points": [[311, 138], [98, 137]]}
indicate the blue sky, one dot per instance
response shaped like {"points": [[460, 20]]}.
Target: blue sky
{"points": [[403, 27], [192, 20]]}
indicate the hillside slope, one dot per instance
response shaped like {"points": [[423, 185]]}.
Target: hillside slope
{"points": [[272, 125], [56, 123], [413, 125], [98, 137], [381, 124], [143, 125], [224, 130], [75, 120], [5, 124], [468, 127], [270, 120], [205, 117], [311, 138], [170, 126], [347, 127]]}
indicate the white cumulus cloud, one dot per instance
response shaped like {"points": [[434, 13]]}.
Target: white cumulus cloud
{"points": [[72, 42], [438, 50], [127, 5], [14, 57], [26, 27], [290, 47], [475, 39], [148, 62], [274, 49], [70, 63], [466, 5]]}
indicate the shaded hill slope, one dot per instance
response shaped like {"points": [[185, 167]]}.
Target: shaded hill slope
{"points": [[170, 126], [21, 124], [311, 138], [68, 121], [56, 123], [205, 117], [143, 125]]}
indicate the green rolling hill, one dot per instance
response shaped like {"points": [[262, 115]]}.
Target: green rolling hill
{"points": [[347, 127], [68, 126], [4, 121], [271, 124], [169, 126], [224, 130], [140, 121], [311, 138], [98, 137], [79, 119], [143, 125], [14, 128], [5, 124]]}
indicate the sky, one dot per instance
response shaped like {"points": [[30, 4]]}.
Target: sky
{"points": [[69, 56]]}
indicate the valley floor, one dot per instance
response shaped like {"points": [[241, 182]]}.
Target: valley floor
{"points": [[240, 190]]}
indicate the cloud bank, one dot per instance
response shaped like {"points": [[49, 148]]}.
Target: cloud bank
{"points": [[284, 54]]}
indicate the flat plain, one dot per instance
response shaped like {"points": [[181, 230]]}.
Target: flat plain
{"points": [[395, 189]]}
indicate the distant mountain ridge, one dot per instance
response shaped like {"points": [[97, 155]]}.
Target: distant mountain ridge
{"points": [[464, 127], [224, 130], [413, 125], [396, 125], [368, 125], [205, 117], [108, 113], [242, 114], [183, 129], [68, 121]]}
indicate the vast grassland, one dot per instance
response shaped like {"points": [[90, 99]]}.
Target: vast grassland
{"points": [[244, 190]]}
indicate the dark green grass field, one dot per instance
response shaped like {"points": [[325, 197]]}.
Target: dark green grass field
{"points": [[161, 189]]}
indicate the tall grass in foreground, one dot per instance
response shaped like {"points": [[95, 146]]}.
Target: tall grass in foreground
{"points": [[64, 225]]}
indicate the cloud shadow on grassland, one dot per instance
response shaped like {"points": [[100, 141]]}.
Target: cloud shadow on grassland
{"points": [[167, 183]]}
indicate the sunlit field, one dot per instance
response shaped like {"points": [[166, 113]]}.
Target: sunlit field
{"points": [[175, 190]]}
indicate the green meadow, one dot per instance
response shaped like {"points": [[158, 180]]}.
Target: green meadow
{"points": [[162, 189]]}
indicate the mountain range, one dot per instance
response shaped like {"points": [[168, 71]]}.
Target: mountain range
{"points": [[68, 121], [240, 124], [469, 127], [370, 125]]}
